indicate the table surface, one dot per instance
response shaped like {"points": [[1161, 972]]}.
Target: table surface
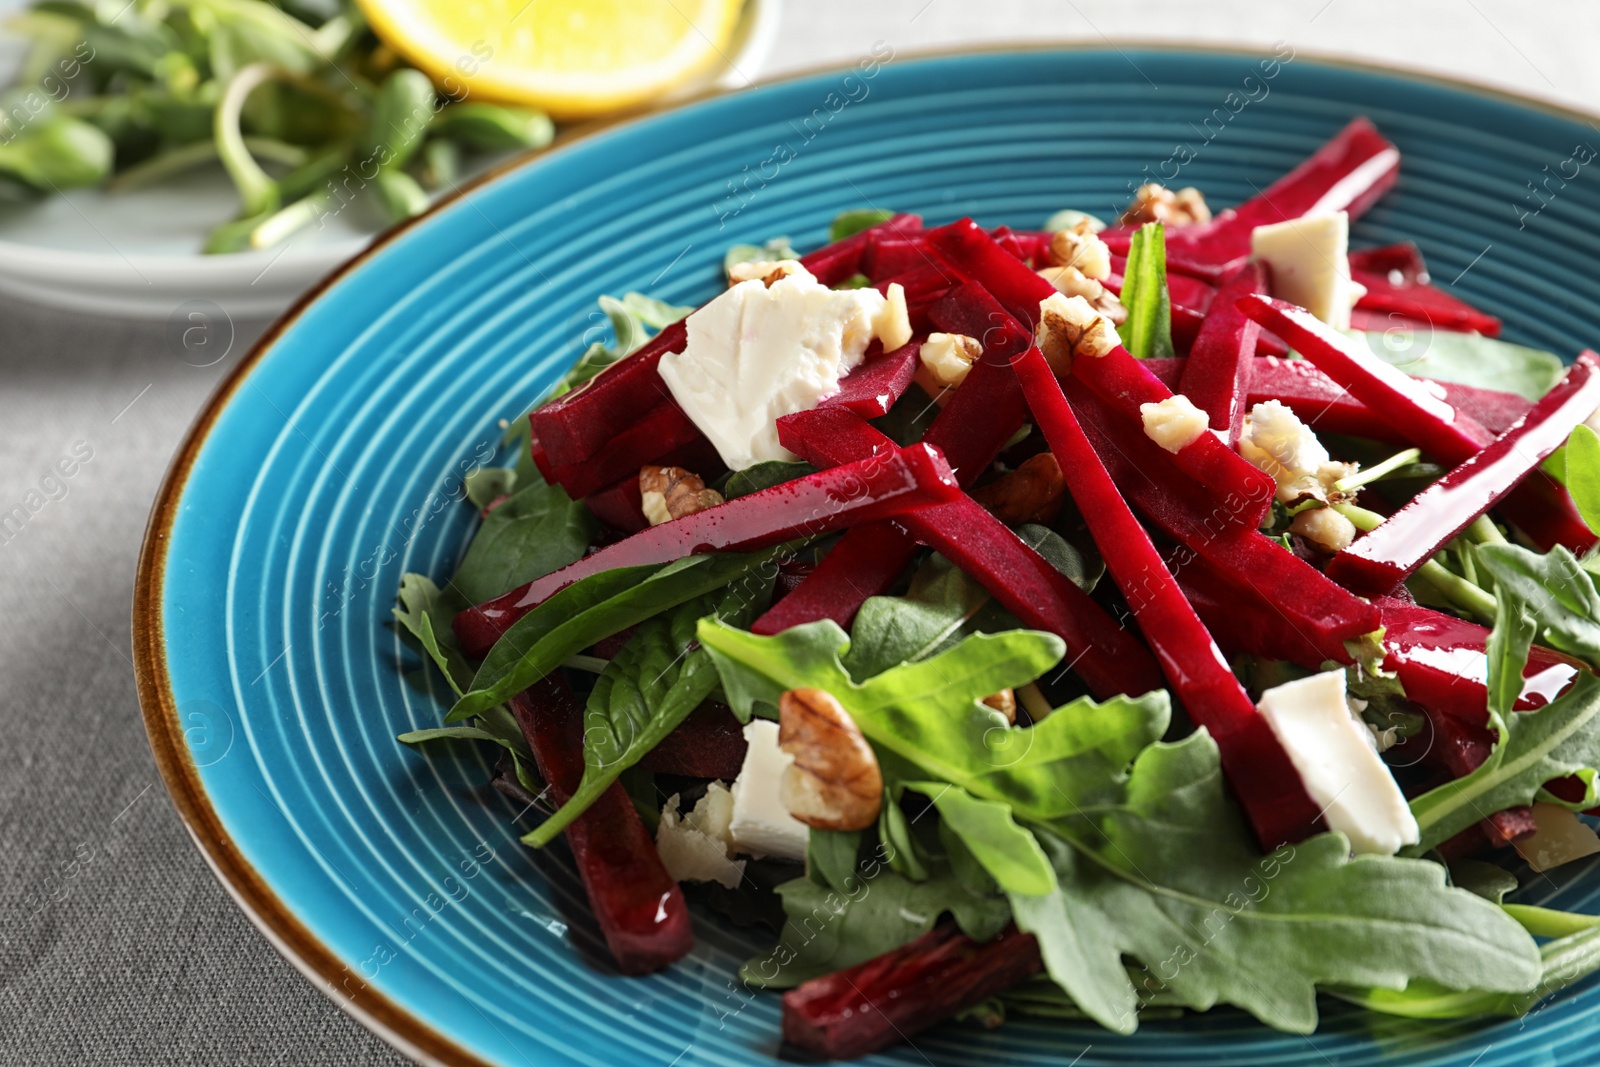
{"points": [[116, 943]]}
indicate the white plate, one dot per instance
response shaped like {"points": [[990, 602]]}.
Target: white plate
{"points": [[136, 254]]}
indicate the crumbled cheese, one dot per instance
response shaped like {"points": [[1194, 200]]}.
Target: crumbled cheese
{"points": [[1338, 762], [1310, 263], [758, 352], [1561, 838], [761, 825], [1174, 423], [694, 847], [1276, 441], [893, 323]]}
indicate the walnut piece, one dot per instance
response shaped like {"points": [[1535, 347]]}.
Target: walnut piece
{"points": [[1070, 327], [1325, 529], [1080, 247], [1005, 702], [834, 782], [1070, 281], [767, 271], [668, 493], [1154, 202], [943, 363], [892, 325], [1031, 493]]}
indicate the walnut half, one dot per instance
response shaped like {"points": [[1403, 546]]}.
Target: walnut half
{"points": [[668, 493], [1070, 327], [834, 782], [1031, 493], [1154, 202]]}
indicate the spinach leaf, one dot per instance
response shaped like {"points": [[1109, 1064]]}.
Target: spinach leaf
{"points": [[929, 713], [831, 857], [849, 223], [1009, 853], [876, 912], [1468, 359], [942, 606], [660, 675], [484, 485], [764, 476], [1148, 332], [596, 607], [1168, 874], [538, 529], [1582, 473]]}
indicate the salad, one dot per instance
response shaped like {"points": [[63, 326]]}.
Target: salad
{"points": [[1099, 622]]}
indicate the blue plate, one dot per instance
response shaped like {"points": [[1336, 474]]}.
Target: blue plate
{"points": [[331, 462]]}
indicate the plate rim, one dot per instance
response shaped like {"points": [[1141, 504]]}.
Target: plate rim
{"points": [[313, 958]]}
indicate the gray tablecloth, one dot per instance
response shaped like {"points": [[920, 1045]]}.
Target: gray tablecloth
{"points": [[116, 945]]}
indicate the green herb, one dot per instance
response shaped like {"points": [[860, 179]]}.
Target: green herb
{"points": [[764, 476], [1163, 870], [632, 320], [425, 612], [1008, 852], [1555, 589], [850, 223], [1148, 332], [1367, 475], [1468, 359], [653, 683], [536, 530], [1582, 473], [771, 252], [596, 607], [1482, 879]]}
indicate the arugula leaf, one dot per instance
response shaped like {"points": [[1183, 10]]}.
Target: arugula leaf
{"points": [[660, 675], [764, 475], [1555, 589], [903, 852], [1482, 879], [596, 607], [1467, 359], [538, 529], [1009, 853], [425, 611], [461, 733], [929, 713], [1582, 474], [1168, 874], [1148, 332], [632, 320], [771, 252], [877, 911], [849, 223]]}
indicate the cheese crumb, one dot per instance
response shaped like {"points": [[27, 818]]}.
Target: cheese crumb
{"points": [[758, 352], [1174, 423], [1276, 441], [694, 847], [1339, 764], [1310, 263], [760, 823]]}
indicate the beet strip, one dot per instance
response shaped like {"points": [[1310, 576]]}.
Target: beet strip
{"points": [[1401, 263], [865, 563], [640, 909], [573, 427], [1540, 507], [1117, 377], [1433, 308], [872, 388], [1325, 614], [1381, 559], [1268, 787], [876, 1004], [1217, 376], [1348, 173], [879, 486], [1243, 622], [1107, 657], [837, 262], [663, 430]]}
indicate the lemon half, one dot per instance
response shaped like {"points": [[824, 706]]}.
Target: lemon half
{"points": [[572, 58]]}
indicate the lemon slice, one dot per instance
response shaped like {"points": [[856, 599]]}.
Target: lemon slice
{"points": [[572, 58]]}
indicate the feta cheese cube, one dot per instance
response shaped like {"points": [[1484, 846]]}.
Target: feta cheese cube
{"points": [[1339, 763], [1310, 264], [1174, 423], [758, 352], [760, 824]]}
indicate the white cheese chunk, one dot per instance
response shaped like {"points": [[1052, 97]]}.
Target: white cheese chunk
{"points": [[1310, 263], [694, 847], [1276, 441], [760, 824], [1174, 423], [1561, 838], [1339, 764], [758, 352], [893, 323]]}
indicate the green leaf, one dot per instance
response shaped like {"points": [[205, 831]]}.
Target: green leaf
{"points": [[1583, 474], [648, 688], [849, 223], [774, 250], [1468, 359], [942, 606], [1168, 874], [1148, 332], [596, 607], [632, 319], [485, 485], [1555, 589], [425, 612], [764, 476], [1009, 853], [929, 712], [537, 530], [876, 911], [831, 857]]}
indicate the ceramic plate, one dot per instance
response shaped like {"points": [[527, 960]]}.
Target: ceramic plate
{"points": [[331, 462], [136, 253]]}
